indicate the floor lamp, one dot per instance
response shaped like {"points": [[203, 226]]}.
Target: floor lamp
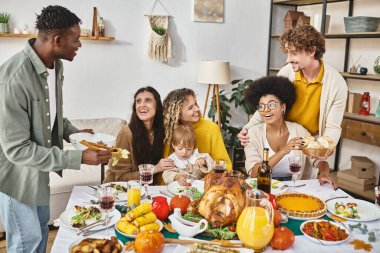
{"points": [[214, 73]]}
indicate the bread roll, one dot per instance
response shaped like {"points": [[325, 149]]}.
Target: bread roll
{"points": [[326, 142]]}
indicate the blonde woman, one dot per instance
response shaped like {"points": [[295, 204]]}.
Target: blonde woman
{"points": [[181, 108]]}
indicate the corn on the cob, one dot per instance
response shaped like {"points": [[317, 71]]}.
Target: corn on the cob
{"points": [[145, 219], [150, 226], [127, 228], [138, 211]]}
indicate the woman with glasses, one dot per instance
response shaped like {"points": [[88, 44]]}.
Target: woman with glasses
{"points": [[273, 96]]}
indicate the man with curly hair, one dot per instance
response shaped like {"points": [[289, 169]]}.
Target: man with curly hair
{"points": [[32, 129], [321, 92]]}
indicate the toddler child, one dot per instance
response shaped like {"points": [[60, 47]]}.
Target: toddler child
{"points": [[187, 160]]}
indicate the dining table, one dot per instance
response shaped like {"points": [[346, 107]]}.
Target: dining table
{"points": [[82, 195]]}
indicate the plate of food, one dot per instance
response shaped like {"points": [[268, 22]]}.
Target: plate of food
{"points": [[129, 230], [122, 188], [80, 216], [353, 209], [96, 244], [325, 232], [300, 206], [196, 188], [97, 138], [276, 185]]}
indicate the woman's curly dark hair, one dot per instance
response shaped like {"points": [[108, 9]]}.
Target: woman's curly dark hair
{"points": [[143, 151], [278, 86], [304, 38], [56, 18]]}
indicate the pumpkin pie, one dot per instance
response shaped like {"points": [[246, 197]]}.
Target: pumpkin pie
{"points": [[301, 205]]}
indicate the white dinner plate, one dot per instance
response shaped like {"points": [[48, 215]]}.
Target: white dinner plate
{"points": [[122, 196], [175, 188], [276, 185], [324, 242], [134, 236], [76, 138], [76, 242], [65, 219], [366, 210]]}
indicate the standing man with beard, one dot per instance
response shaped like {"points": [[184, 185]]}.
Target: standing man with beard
{"points": [[32, 129], [321, 91]]}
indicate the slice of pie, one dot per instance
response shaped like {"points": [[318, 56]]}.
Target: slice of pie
{"points": [[301, 205]]}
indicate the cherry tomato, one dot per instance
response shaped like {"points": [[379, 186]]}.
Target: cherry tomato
{"points": [[233, 228]]}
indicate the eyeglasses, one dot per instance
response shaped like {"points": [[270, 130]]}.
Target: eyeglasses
{"points": [[271, 105]]}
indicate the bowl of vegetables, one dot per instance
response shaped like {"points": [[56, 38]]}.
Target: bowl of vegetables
{"points": [[325, 232]]}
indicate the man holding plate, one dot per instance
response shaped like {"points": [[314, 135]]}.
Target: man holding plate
{"points": [[32, 129]]}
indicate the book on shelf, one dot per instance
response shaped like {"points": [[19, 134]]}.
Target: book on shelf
{"points": [[353, 102]]}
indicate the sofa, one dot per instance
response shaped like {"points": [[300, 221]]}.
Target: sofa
{"points": [[61, 187]]}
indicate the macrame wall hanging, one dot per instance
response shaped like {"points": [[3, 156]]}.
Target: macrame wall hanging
{"points": [[159, 46]]}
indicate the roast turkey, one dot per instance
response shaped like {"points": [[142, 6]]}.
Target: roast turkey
{"points": [[223, 201]]}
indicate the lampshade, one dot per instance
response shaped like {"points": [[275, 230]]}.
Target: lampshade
{"points": [[214, 72]]}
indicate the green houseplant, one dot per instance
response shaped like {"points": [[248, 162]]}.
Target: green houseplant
{"points": [[235, 99], [4, 22]]}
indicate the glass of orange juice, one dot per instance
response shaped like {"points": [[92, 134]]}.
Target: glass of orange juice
{"points": [[133, 193]]}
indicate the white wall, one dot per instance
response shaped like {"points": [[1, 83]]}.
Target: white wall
{"points": [[103, 77]]}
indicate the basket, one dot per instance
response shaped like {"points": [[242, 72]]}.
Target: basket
{"points": [[361, 24], [316, 152]]}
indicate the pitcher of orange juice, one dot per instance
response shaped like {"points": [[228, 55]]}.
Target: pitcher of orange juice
{"points": [[255, 224], [133, 193]]}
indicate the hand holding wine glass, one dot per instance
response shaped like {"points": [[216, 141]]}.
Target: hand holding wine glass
{"points": [[295, 164], [107, 202]]}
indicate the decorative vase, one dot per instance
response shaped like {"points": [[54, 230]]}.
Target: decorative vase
{"points": [[376, 65], [4, 28]]}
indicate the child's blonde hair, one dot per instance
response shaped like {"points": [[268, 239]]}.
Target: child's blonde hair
{"points": [[184, 136]]}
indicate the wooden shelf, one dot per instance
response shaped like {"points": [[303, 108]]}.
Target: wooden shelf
{"points": [[368, 119], [363, 35], [11, 35], [304, 2], [361, 77]]}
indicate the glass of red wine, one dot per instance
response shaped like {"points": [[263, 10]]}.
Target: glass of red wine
{"points": [[377, 196], [146, 176], [220, 166], [107, 202], [295, 165]]}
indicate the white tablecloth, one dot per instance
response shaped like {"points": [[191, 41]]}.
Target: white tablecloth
{"points": [[82, 194]]}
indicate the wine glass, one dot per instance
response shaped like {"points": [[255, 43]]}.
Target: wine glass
{"points": [[377, 196], [146, 176], [219, 166], [107, 202], [295, 164]]}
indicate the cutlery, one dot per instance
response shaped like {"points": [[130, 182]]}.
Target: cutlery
{"points": [[86, 228], [285, 185], [93, 187], [336, 198], [189, 240], [166, 193]]}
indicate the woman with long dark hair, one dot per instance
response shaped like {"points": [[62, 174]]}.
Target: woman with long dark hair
{"points": [[143, 137]]}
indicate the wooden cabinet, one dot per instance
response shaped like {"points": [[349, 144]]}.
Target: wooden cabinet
{"points": [[360, 131]]}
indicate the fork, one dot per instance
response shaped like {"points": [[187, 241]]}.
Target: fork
{"points": [[285, 185], [86, 229]]}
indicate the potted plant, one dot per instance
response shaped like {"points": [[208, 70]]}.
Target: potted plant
{"points": [[4, 19], [237, 100]]}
